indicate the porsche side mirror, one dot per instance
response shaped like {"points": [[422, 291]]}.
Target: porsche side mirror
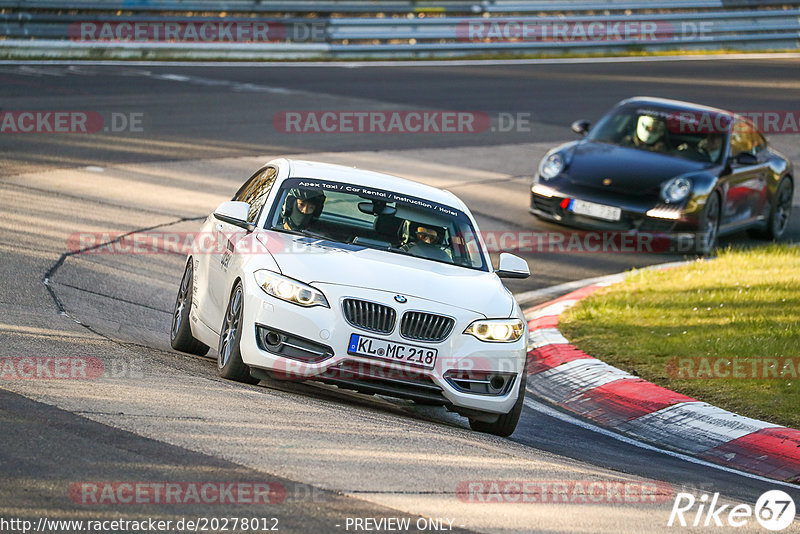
{"points": [[581, 127], [510, 266], [235, 213], [745, 158]]}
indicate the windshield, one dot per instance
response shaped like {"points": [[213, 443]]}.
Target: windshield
{"points": [[377, 219], [691, 135]]}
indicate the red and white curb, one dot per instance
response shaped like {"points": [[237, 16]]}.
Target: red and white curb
{"points": [[567, 377]]}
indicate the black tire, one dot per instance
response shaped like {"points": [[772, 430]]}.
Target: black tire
{"points": [[180, 333], [708, 228], [780, 211], [229, 358], [506, 423]]}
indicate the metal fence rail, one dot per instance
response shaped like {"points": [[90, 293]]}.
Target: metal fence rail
{"points": [[383, 6], [373, 29]]}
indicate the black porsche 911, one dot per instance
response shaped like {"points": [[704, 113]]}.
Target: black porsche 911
{"points": [[654, 165]]}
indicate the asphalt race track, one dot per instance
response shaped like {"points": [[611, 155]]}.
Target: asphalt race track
{"points": [[330, 457]]}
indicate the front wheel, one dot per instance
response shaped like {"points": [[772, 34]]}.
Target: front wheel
{"points": [[229, 358], [506, 423], [180, 335], [706, 238]]}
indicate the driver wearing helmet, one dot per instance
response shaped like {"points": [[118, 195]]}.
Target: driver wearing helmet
{"points": [[301, 208], [649, 134]]}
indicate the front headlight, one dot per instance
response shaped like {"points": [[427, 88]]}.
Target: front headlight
{"points": [[551, 166], [496, 330], [290, 290], [676, 190]]}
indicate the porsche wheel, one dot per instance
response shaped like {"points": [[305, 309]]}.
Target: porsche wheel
{"points": [[708, 231], [781, 211]]}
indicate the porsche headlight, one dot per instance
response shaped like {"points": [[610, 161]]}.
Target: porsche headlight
{"points": [[290, 290], [496, 330], [551, 166], [676, 190]]}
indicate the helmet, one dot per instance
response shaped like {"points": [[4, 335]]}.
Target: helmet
{"points": [[313, 195], [296, 219], [409, 233], [649, 129]]}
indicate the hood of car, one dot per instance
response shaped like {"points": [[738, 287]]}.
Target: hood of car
{"points": [[313, 261], [629, 171]]}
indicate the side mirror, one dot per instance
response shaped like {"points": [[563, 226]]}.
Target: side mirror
{"points": [[511, 266], [581, 127], [745, 158], [235, 213]]}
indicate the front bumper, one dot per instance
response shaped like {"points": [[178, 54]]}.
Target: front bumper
{"points": [[325, 331], [669, 228]]}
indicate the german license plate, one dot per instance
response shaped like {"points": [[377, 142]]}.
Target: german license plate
{"points": [[372, 347], [598, 211]]}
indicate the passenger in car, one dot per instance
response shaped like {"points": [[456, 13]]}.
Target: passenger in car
{"points": [[426, 241]]}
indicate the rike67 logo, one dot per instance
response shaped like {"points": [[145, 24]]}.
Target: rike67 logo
{"points": [[774, 510]]}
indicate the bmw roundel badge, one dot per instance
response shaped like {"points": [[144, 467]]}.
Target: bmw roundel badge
{"points": [[401, 299]]}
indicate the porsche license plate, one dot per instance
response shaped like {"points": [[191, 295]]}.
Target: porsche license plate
{"points": [[382, 349], [598, 211]]}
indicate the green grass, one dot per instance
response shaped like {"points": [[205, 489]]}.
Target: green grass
{"points": [[743, 306]]}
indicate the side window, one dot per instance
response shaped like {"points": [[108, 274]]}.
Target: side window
{"points": [[741, 138], [760, 144], [256, 190]]}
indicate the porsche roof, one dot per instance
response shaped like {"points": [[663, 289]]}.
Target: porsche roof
{"points": [[674, 104]]}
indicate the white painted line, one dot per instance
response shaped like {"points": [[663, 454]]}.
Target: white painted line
{"points": [[695, 427], [563, 289], [605, 280], [556, 308], [578, 376], [545, 336], [411, 63], [566, 418]]}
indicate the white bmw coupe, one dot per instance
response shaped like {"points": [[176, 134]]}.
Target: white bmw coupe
{"points": [[360, 279]]}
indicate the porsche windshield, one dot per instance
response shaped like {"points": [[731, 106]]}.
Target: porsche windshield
{"points": [[371, 218], [696, 136]]}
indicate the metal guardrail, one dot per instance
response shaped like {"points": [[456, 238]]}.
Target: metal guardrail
{"points": [[343, 29], [383, 6]]}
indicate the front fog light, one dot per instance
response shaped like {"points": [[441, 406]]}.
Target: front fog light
{"points": [[496, 330], [290, 290]]}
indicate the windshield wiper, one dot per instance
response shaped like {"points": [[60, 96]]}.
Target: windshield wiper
{"points": [[306, 233]]}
